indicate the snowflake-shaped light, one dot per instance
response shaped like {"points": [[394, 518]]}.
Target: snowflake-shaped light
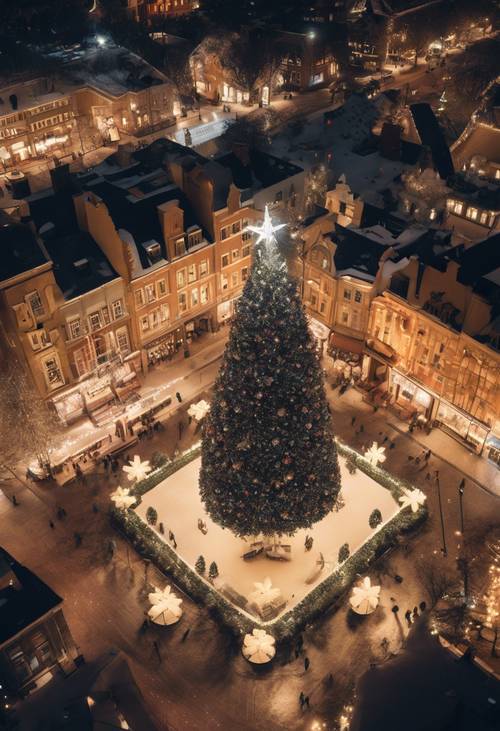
{"points": [[375, 454], [412, 498], [165, 606], [122, 498], [200, 410], [264, 592], [266, 230], [136, 469], [365, 598], [259, 647]]}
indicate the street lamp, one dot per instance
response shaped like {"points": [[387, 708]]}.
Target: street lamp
{"points": [[438, 485], [461, 489]]}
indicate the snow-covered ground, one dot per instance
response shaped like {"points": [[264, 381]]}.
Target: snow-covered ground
{"points": [[179, 507]]}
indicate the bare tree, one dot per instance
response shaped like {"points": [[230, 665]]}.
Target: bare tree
{"points": [[27, 427]]}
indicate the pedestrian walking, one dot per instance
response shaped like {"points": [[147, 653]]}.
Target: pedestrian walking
{"points": [[185, 635], [78, 538], [307, 662], [423, 606], [302, 699], [427, 455], [306, 701], [395, 609], [15, 501], [51, 524], [408, 616], [415, 613], [353, 421], [178, 397]]}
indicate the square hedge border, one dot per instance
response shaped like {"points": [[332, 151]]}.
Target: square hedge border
{"points": [[327, 593]]}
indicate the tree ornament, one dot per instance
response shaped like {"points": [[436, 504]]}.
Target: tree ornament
{"points": [[269, 410]]}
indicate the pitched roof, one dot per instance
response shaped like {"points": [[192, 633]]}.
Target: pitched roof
{"points": [[432, 136], [24, 598], [19, 249]]}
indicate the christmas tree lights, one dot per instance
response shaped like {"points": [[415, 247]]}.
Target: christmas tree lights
{"points": [[269, 460]]}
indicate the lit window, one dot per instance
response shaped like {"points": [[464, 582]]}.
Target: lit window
{"points": [[150, 292], [144, 323], [182, 302], [357, 295], [192, 273], [194, 297], [203, 268], [347, 294], [117, 306], [95, 321], [75, 328], [204, 294], [472, 213], [52, 372], [139, 297], [234, 279], [223, 281], [35, 302], [122, 340], [162, 287], [164, 313], [181, 278], [244, 274]]}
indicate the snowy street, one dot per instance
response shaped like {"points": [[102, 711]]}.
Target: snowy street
{"points": [[205, 682]]}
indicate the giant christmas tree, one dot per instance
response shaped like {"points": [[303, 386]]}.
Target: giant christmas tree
{"points": [[269, 462]]}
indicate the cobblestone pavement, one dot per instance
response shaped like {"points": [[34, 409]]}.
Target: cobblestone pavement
{"points": [[204, 683]]}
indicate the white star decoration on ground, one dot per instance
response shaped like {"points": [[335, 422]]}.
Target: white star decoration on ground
{"points": [[375, 454], [365, 598], [259, 647], [137, 470], [413, 499], [264, 591], [199, 411], [122, 498], [165, 606], [266, 230]]}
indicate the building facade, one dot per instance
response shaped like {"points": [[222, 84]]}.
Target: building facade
{"points": [[35, 641]]}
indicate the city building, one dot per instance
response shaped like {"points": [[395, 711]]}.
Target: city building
{"points": [[307, 61], [29, 303], [92, 101], [35, 642], [151, 11], [432, 344]]}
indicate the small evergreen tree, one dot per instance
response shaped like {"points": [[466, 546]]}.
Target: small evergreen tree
{"points": [[213, 571], [200, 565], [375, 518], [269, 461], [151, 515], [344, 552]]}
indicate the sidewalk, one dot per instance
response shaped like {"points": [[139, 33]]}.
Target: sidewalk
{"points": [[474, 468], [188, 376]]}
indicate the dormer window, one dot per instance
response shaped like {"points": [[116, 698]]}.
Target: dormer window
{"points": [[154, 252], [180, 246], [194, 238]]}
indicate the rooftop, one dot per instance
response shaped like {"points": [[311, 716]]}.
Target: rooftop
{"points": [[19, 249], [24, 598], [254, 169]]}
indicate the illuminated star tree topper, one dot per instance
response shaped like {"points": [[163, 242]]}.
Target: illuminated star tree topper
{"points": [[266, 230]]}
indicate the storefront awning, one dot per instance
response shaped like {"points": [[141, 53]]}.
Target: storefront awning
{"points": [[344, 342]]}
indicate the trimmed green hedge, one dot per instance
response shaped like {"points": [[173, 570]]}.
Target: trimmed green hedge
{"points": [[147, 542]]}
